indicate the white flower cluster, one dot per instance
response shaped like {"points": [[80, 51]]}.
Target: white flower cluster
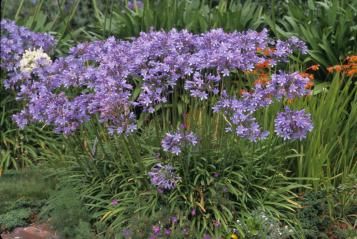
{"points": [[32, 59]]}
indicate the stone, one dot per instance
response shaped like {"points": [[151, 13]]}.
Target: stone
{"points": [[40, 231]]}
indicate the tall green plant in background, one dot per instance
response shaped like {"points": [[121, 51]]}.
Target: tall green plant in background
{"points": [[330, 151], [195, 16], [328, 27]]}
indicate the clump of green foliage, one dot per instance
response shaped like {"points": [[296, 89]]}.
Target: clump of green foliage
{"points": [[66, 213], [17, 217]]}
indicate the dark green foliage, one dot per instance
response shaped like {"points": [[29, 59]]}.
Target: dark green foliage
{"points": [[67, 214], [14, 218], [313, 215], [195, 16], [18, 213]]}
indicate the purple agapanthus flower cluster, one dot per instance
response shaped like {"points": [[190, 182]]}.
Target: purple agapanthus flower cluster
{"points": [[240, 112], [163, 177], [240, 117], [289, 86], [173, 142], [15, 40], [98, 78], [293, 124]]}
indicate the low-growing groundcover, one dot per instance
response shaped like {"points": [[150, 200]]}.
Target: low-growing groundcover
{"points": [[177, 135], [22, 195]]}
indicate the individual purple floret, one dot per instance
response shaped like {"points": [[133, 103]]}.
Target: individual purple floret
{"points": [[16, 39], [156, 229], [173, 142], [293, 124], [127, 233], [289, 86], [206, 236], [132, 4], [164, 177]]}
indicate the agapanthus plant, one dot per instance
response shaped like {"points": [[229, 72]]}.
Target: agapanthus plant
{"points": [[99, 79]]}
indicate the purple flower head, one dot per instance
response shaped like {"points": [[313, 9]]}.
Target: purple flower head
{"points": [[127, 233], [156, 229], [174, 220], [175, 141], [240, 116], [289, 86], [167, 232], [293, 124], [132, 5], [206, 236], [216, 174], [164, 177], [201, 85], [216, 223], [114, 202], [286, 48], [193, 212]]}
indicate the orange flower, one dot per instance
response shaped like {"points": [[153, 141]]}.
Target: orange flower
{"points": [[266, 52], [262, 65], [269, 51], [243, 91], [352, 72], [351, 59], [314, 67], [309, 85], [338, 68], [330, 69], [307, 75]]}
